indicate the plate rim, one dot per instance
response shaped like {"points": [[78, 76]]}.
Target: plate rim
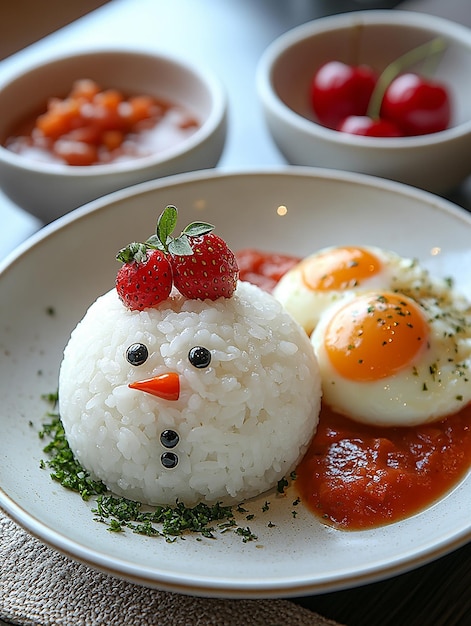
{"points": [[362, 180]]}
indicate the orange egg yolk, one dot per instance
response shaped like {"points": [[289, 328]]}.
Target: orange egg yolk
{"points": [[339, 268], [374, 336]]}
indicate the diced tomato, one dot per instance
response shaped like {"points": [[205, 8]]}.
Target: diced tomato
{"points": [[141, 108], [84, 89], [188, 122], [112, 139], [60, 118], [91, 125], [263, 268], [76, 152], [87, 134]]}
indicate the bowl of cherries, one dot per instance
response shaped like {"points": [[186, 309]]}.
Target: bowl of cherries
{"points": [[379, 92]]}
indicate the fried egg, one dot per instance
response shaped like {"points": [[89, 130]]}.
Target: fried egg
{"points": [[338, 273], [391, 360]]}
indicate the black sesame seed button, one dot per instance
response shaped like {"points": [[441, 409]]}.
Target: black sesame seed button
{"points": [[169, 460], [199, 356], [169, 438], [137, 354]]}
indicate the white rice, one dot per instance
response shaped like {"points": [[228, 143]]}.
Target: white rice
{"points": [[244, 422]]}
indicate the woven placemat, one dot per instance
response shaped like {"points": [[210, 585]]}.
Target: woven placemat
{"points": [[41, 587]]}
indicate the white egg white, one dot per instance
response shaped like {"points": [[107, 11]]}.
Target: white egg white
{"points": [[435, 385], [307, 305]]}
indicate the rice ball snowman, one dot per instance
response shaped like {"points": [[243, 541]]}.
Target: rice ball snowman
{"points": [[184, 383]]}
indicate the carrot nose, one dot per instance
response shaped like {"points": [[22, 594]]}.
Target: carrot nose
{"points": [[166, 386]]}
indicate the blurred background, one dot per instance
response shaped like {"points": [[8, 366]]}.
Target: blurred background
{"points": [[25, 21], [239, 29]]}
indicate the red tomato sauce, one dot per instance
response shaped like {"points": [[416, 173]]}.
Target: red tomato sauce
{"points": [[92, 126], [263, 268], [356, 476]]}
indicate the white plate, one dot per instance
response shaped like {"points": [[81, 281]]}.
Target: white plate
{"points": [[68, 264]]}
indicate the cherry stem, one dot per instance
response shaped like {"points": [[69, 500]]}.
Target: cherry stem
{"points": [[425, 51]]}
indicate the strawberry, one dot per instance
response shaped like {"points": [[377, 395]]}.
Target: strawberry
{"points": [[202, 264], [198, 261], [145, 278], [210, 272]]}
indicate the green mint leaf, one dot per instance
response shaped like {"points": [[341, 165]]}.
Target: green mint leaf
{"points": [[132, 252], [180, 246], [166, 224], [155, 243], [195, 229]]}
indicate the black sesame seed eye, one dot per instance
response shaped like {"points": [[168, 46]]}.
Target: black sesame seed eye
{"points": [[137, 354], [199, 356], [169, 438], [169, 460]]}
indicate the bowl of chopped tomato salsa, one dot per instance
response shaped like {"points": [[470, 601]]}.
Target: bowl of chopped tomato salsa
{"points": [[75, 128]]}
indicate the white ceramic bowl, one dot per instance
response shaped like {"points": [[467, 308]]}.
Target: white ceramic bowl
{"points": [[50, 190], [437, 162]]}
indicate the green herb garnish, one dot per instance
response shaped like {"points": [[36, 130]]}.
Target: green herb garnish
{"points": [[246, 534], [121, 513], [65, 469], [282, 484], [163, 240]]}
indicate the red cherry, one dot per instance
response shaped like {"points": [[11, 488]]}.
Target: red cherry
{"points": [[417, 105], [339, 90], [364, 125]]}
